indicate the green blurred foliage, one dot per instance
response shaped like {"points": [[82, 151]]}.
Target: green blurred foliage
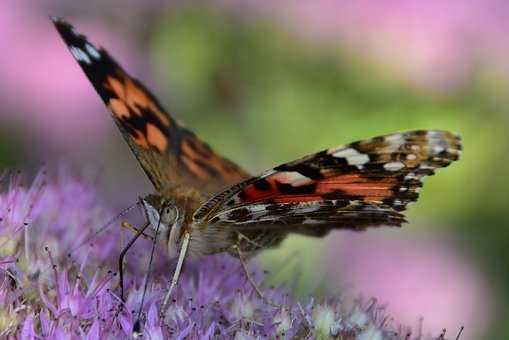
{"points": [[262, 96]]}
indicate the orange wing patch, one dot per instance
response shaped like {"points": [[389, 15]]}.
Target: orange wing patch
{"points": [[134, 97], [119, 108], [156, 138], [133, 108], [288, 187], [354, 185], [205, 163]]}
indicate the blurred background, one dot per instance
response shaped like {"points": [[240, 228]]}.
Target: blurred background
{"points": [[268, 82]]}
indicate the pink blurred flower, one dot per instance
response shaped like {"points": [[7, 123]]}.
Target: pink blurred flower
{"points": [[43, 89], [416, 275], [433, 43]]}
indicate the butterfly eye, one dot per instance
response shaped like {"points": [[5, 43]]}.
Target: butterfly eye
{"points": [[169, 214]]}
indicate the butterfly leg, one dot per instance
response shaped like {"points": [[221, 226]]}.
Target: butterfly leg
{"points": [[132, 228], [242, 237], [176, 274], [258, 291], [122, 256], [246, 271]]}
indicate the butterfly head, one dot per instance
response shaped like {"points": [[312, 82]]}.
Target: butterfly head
{"points": [[162, 213]]}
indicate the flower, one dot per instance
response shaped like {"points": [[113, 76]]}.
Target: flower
{"points": [[416, 275], [56, 283]]}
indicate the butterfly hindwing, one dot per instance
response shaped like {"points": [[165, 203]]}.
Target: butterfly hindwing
{"points": [[354, 214], [168, 153], [366, 183], [265, 225]]}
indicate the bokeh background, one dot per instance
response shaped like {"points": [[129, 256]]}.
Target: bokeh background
{"points": [[267, 82]]}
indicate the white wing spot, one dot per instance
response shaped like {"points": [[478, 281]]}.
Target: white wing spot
{"points": [[394, 138], [256, 208], [394, 166], [295, 178], [92, 51], [80, 55], [433, 134], [426, 166], [438, 149], [358, 160], [345, 153], [411, 157], [75, 52], [411, 175], [352, 156]]}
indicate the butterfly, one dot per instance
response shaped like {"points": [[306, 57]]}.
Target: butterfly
{"points": [[205, 204]]}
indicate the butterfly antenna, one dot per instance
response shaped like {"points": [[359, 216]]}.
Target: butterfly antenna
{"points": [[137, 324], [104, 227], [459, 333]]}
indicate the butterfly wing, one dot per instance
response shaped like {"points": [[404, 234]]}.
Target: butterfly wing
{"points": [[168, 153], [363, 184]]}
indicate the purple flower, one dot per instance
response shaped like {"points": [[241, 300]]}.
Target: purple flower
{"points": [[53, 286]]}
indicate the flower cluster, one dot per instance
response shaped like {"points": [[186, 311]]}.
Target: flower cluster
{"points": [[58, 282]]}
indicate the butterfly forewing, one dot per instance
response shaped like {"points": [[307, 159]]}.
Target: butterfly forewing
{"points": [[366, 183], [168, 153]]}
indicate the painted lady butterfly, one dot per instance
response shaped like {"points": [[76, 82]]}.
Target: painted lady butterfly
{"points": [[205, 204]]}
